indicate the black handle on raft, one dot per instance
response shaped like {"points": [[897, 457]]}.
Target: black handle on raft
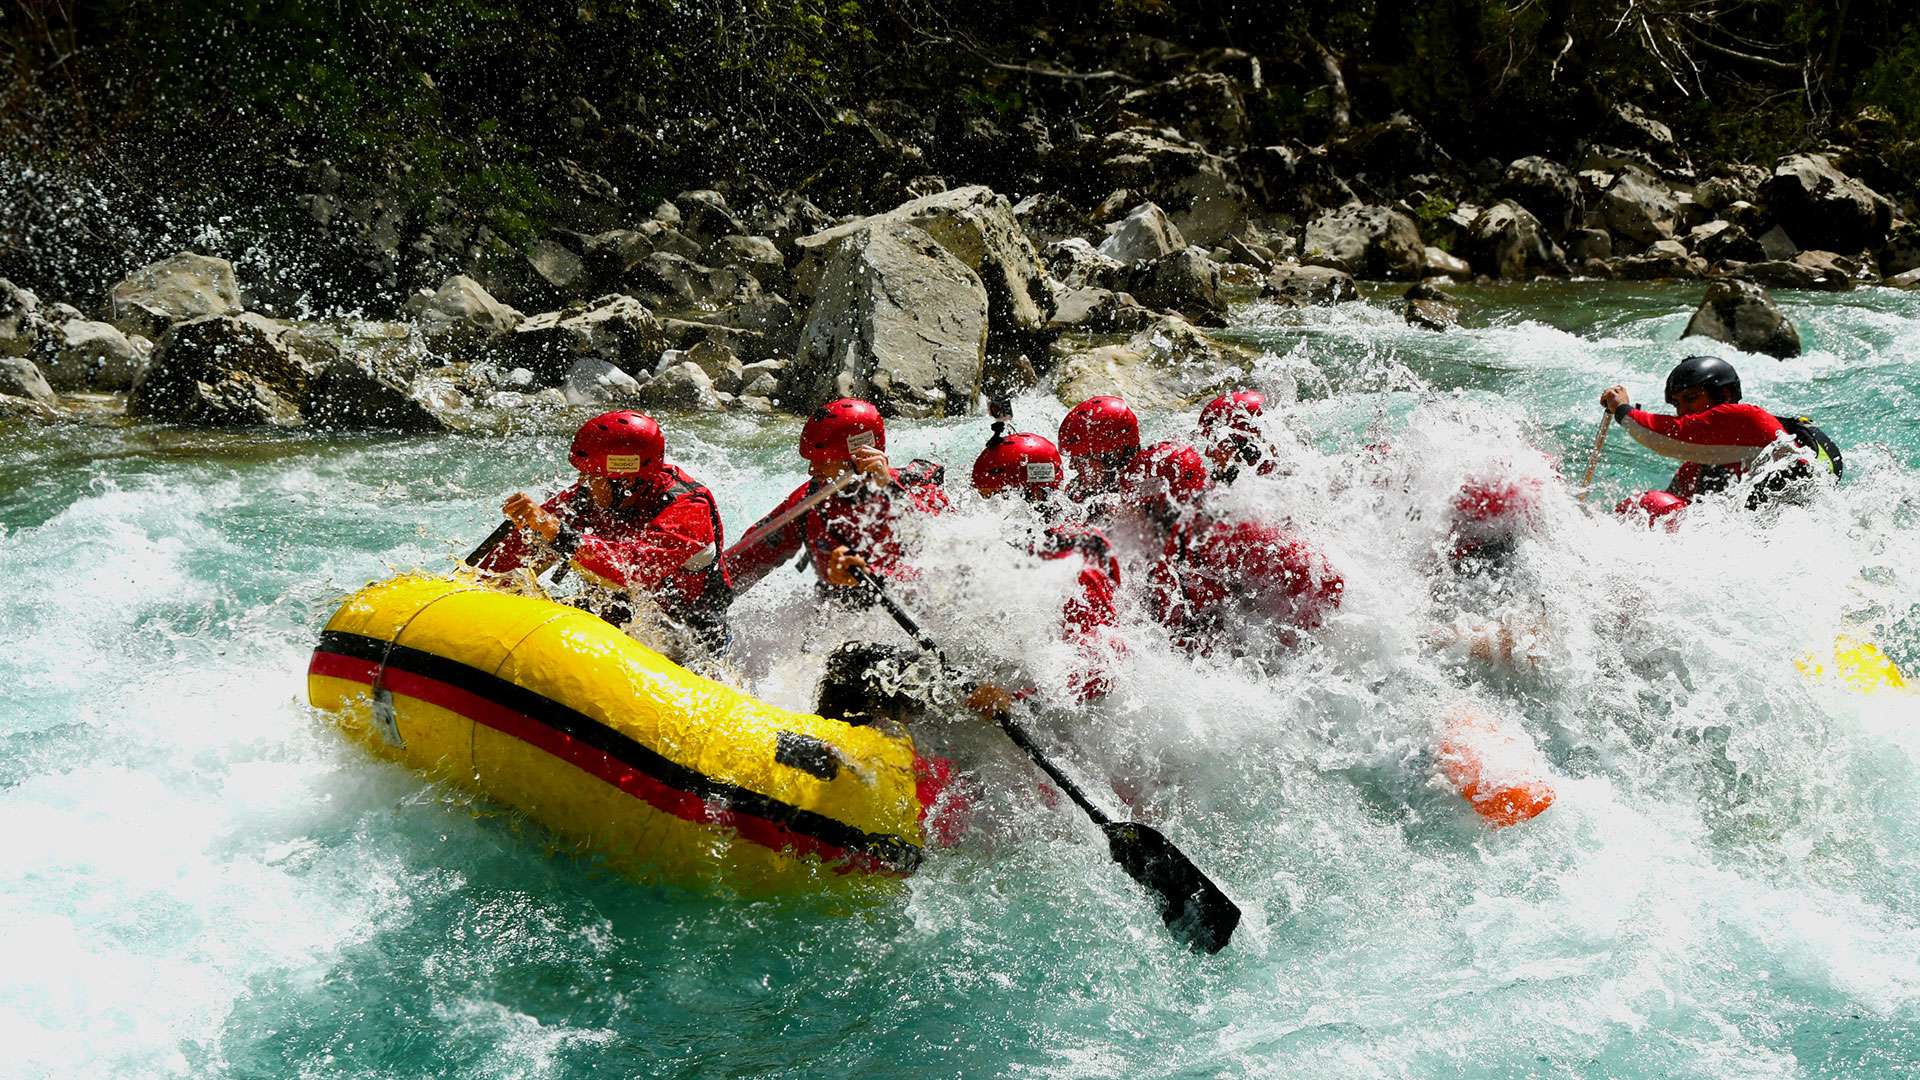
{"points": [[1191, 905], [494, 539]]}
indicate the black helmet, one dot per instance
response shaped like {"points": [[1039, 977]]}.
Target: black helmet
{"points": [[1709, 373]]}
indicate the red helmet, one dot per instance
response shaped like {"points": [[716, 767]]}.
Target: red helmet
{"points": [[1014, 460], [1101, 425], [619, 445], [1168, 473], [1497, 501], [1655, 505], [1232, 413], [836, 428]]}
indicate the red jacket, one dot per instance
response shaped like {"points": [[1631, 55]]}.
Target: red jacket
{"points": [[1718, 445], [664, 542], [1088, 617], [860, 518], [1211, 570]]}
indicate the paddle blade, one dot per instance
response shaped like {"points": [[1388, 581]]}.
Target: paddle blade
{"points": [[1192, 906]]}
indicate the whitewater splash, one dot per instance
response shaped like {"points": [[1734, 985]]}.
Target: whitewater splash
{"points": [[202, 880]]}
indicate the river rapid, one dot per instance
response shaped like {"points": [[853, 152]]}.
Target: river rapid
{"points": [[198, 877]]}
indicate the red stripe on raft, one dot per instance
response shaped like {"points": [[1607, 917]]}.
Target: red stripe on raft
{"points": [[595, 762]]}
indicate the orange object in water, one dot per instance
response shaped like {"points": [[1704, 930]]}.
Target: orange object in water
{"points": [[1498, 771]]}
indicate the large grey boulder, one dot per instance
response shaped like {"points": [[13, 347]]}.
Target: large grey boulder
{"points": [[20, 321], [978, 228], [1075, 262], [558, 272], [21, 378], [1205, 107], [1507, 242], [896, 319], [1367, 242], [1145, 234], [672, 282], [1822, 207], [592, 381], [79, 354], [175, 289], [1546, 188], [614, 329], [1091, 309], [680, 386], [1741, 314], [226, 371], [1198, 189], [705, 215], [1169, 365], [1898, 255], [1723, 241], [1308, 286], [367, 393], [1187, 282], [462, 312], [1639, 208], [756, 255]]}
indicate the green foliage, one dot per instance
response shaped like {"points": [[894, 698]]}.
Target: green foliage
{"points": [[1893, 83]]}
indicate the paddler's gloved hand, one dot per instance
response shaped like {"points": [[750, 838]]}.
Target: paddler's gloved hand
{"points": [[528, 515], [842, 563]]}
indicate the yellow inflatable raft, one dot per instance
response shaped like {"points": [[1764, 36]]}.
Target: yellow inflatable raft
{"points": [[1858, 664], [664, 773]]}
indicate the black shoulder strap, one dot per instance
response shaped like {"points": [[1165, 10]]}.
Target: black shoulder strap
{"points": [[1812, 438]]}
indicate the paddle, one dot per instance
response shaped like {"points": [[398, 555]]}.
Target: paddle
{"points": [[493, 540], [1593, 459], [772, 528], [1191, 905]]}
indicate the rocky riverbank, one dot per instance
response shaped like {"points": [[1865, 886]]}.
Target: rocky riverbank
{"points": [[1158, 215]]}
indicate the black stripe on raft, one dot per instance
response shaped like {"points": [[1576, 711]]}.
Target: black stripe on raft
{"points": [[890, 850]]}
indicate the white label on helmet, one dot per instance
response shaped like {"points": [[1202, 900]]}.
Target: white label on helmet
{"points": [[623, 463], [859, 440], [1041, 472]]}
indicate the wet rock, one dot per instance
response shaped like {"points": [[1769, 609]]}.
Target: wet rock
{"points": [[722, 365], [614, 329], [1445, 264], [226, 371], [1776, 244], [1091, 309], [676, 283], [978, 228], [462, 312], [1431, 309], [557, 272], [1186, 282], [1196, 188], [1143, 235], [1390, 149], [897, 319], [1367, 242], [172, 290], [1075, 262], [1639, 208], [1830, 266], [1898, 255], [1822, 207], [786, 219], [1787, 274], [592, 381], [1723, 241], [1168, 365], [1507, 242], [1906, 279], [705, 216], [21, 378], [1545, 188], [764, 325], [79, 354], [1294, 178], [1309, 286], [1663, 259], [361, 393], [1046, 218], [1587, 245], [755, 255], [680, 386], [1715, 194], [1741, 314], [19, 408], [19, 319], [1206, 108]]}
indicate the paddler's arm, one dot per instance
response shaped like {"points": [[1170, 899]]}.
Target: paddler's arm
{"points": [[644, 557], [745, 568], [537, 520]]}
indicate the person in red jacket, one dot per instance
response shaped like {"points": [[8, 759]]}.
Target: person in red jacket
{"points": [[1100, 436], [1230, 432], [854, 528], [1213, 576], [1030, 466], [1721, 439], [633, 524]]}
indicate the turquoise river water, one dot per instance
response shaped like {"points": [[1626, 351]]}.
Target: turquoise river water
{"points": [[198, 877]]}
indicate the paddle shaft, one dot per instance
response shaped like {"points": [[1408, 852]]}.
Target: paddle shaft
{"points": [[1007, 724], [772, 528], [1593, 459], [493, 540]]}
